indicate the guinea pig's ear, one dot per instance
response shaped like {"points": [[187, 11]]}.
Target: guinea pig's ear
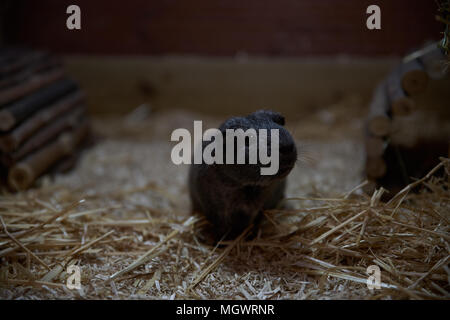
{"points": [[272, 115]]}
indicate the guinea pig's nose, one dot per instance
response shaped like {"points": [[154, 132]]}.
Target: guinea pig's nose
{"points": [[287, 148]]}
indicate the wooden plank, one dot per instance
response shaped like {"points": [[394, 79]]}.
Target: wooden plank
{"points": [[14, 113], [223, 86], [225, 28]]}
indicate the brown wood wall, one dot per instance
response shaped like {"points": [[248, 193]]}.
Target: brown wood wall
{"points": [[223, 28]]}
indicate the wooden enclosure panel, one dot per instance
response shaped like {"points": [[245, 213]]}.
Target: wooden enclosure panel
{"points": [[223, 28], [222, 85]]}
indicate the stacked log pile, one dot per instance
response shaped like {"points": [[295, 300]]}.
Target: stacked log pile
{"points": [[398, 147], [43, 121]]}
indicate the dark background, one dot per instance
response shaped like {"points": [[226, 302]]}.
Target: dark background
{"points": [[223, 28]]}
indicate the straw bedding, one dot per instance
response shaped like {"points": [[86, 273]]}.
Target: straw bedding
{"points": [[123, 217]]}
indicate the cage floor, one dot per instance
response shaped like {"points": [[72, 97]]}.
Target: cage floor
{"points": [[136, 211]]}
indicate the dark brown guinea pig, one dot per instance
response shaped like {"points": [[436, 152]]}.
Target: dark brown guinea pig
{"points": [[233, 196]]}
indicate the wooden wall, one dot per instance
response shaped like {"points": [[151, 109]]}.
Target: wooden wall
{"points": [[222, 85], [224, 27], [182, 54]]}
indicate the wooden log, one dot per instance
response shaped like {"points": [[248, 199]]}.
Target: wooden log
{"points": [[405, 165], [375, 167], [403, 138], [374, 146], [23, 174], [413, 77], [32, 84], [17, 59], [402, 133], [44, 135], [401, 104], [65, 164], [13, 114], [28, 71], [7, 56], [379, 124], [433, 58], [69, 162], [7, 53], [11, 141]]}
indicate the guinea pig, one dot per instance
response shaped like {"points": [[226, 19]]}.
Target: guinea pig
{"points": [[233, 196]]}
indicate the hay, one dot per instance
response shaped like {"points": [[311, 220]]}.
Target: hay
{"points": [[132, 235]]}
